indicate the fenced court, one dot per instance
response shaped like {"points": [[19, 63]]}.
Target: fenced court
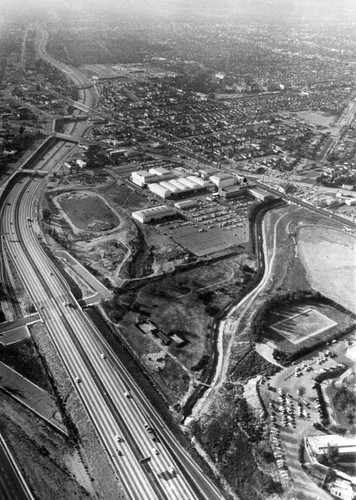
{"points": [[302, 325]]}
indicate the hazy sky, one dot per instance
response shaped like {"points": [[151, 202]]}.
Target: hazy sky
{"points": [[245, 9]]}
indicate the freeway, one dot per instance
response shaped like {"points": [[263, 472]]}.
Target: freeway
{"points": [[102, 382], [12, 484]]}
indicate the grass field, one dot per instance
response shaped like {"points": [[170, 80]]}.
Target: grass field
{"points": [[303, 324], [88, 212]]}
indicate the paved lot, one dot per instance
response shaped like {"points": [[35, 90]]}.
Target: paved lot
{"points": [[292, 406]]}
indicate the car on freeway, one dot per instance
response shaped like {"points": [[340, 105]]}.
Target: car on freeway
{"points": [[68, 304], [78, 380], [127, 394], [103, 356], [155, 451], [118, 438]]}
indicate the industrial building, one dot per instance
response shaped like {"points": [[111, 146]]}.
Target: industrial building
{"points": [[143, 177], [199, 180], [155, 174], [160, 190], [259, 193], [153, 213], [318, 445], [223, 179], [175, 187], [231, 192]]}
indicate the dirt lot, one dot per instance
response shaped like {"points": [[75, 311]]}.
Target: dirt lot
{"points": [[124, 197], [321, 119], [333, 250]]}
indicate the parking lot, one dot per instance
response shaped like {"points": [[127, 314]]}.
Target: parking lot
{"points": [[296, 404], [209, 225]]}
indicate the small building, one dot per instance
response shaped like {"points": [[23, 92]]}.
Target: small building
{"points": [[350, 201], [342, 489], [162, 336], [177, 340], [185, 204], [153, 213]]}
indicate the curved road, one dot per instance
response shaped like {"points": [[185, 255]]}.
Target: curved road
{"points": [[101, 381]]}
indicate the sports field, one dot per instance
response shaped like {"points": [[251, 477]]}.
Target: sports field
{"points": [[302, 325], [88, 212]]}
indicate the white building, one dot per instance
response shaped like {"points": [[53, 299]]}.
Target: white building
{"points": [[223, 179], [177, 183], [162, 173], [170, 186], [160, 190], [199, 180], [153, 213], [185, 204], [143, 177], [350, 201], [318, 445], [259, 193], [189, 183]]}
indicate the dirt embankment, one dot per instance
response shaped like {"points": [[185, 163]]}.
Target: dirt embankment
{"points": [[142, 259]]}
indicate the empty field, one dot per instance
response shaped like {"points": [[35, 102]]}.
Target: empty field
{"points": [[88, 212], [328, 256], [302, 325]]}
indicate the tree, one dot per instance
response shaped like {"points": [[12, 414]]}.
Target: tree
{"points": [[332, 455]]}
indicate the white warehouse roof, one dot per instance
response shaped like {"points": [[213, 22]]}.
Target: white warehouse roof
{"points": [[189, 183], [152, 213], [170, 186], [179, 185], [198, 180], [159, 171], [159, 190]]}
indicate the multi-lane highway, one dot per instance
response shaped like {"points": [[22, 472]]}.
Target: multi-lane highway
{"points": [[150, 464]]}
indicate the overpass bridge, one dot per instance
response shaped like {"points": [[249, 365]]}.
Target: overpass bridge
{"points": [[64, 137], [39, 173]]}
